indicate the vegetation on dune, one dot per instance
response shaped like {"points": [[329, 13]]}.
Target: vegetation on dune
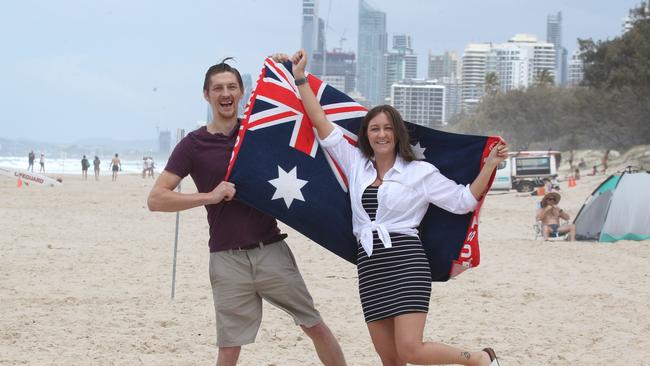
{"points": [[610, 110]]}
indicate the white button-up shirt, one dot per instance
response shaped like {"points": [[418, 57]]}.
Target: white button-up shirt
{"points": [[403, 197]]}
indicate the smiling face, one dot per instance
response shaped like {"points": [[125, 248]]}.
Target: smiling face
{"points": [[381, 135], [383, 131], [223, 94]]}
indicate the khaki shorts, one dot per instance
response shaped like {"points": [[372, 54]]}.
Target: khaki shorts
{"points": [[242, 278]]}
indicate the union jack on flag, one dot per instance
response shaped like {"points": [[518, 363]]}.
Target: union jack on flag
{"points": [[278, 167]]}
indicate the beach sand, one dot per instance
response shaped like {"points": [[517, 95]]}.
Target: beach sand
{"points": [[85, 279]]}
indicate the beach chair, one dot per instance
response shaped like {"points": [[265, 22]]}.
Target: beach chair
{"points": [[538, 227]]}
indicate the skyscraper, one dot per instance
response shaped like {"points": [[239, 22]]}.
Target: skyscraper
{"points": [[164, 142], [402, 42], [371, 47], [513, 65], [321, 44], [543, 54], [399, 63], [420, 102], [453, 98], [522, 59], [475, 67], [310, 27], [554, 36], [442, 66], [516, 63], [340, 69], [576, 69]]}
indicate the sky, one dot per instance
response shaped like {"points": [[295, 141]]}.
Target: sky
{"points": [[75, 70]]}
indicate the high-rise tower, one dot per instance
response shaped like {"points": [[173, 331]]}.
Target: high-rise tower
{"points": [[400, 63], [372, 45], [443, 66], [310, 27], [554, 36]]}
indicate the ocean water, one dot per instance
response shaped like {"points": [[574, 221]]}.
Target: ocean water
{"points": [[73, 166]]}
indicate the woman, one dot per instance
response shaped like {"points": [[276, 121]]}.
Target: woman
{"points": [[390, 192]]}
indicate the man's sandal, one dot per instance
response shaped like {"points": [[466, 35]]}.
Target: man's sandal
{"points": [[493, 356]]}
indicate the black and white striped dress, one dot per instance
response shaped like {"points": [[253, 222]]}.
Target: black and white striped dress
{"points": [[392, 281]]}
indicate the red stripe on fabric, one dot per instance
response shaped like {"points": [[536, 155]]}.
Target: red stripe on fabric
{"points": [[470, 253], [281, 95], [306, 139], [346, 109], [279, 71], [271, 118], [314, 83]]}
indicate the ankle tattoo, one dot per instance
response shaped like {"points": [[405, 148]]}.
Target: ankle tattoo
{"points": [[466, 355]]}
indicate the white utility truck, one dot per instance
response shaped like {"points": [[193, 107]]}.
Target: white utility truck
{"points": [[525, 170]]}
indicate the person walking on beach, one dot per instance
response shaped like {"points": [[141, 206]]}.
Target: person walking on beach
{"points": [[145, 167], [150, 166], [604, 161], [84, 168], [96, 163], [42, 163], [30, 158], [249, 258], [116, 166], [394, 272]]}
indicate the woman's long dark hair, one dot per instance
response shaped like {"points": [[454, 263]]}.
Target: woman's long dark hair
{"points": [[402, 144]]}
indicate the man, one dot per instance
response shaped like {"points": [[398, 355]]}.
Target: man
{"points": [[31, 157], [84, 168], [116, 166], [549, 214], [249, 259]]}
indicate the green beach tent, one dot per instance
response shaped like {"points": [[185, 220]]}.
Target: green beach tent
{"points": [[619, 209]]}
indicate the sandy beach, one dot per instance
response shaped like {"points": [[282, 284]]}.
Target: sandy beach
{"points": [[85, 278]]}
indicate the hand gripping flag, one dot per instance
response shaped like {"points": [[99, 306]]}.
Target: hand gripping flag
{"points": [[279, 168]]}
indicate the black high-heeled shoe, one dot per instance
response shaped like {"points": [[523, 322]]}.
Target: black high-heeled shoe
{"points": [[493, 356]]}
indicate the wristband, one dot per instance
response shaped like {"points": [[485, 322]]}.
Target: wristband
{"points": [[300, 81]]}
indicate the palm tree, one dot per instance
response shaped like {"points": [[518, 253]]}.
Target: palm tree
{"points": [[491, 83], [544, 78]]}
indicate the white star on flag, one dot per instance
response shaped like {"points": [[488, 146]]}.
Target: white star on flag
{"points": [[418, 150], [287, 186]]}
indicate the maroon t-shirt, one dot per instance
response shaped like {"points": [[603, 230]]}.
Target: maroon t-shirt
{"points": [[205, 158]]}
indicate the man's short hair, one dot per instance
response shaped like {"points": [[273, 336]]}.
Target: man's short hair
{"points": [[219, 68]]}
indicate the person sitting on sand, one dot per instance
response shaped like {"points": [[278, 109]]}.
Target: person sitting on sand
{"points": [[549, 214]]}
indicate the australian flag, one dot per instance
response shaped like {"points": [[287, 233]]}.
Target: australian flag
{"points": [[278, 167]]}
